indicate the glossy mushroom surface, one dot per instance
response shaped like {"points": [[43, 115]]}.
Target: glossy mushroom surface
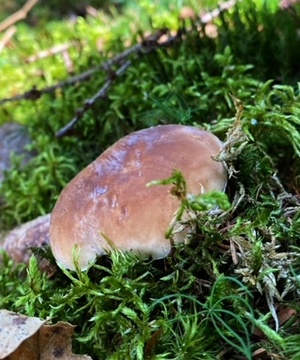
{"points": [[108, 203]]}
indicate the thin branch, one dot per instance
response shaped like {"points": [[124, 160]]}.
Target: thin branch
{"points": [[101, 94], [149, 44], [143, 47], [160, 39], [9, 33], [91, 11], [48, 52], [209, 16], [54, 50], [68, 61], [19, 15]]}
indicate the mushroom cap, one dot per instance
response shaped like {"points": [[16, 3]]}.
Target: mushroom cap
{"points": [[109, 205], [33, 234]]}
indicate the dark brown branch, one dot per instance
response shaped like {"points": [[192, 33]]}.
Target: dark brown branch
{"points": [[144, 47], [149, 44], [101, 94]]}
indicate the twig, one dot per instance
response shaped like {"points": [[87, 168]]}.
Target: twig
{"points": [[148, 45], [57, 49], [68, 61], [144, 47], [19, 15], [91, 11], [152, 40], [48, 52], [226, 5], [101, 94], [9, 33]]}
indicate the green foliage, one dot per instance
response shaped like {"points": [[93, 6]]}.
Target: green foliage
{"points": [[218, 305], [10, 276], [258, 31], [33, 188], [117, 311], [291, 347]]}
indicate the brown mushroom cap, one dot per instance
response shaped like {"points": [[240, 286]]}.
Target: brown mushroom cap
{"points": [[33, 234], [109, 199]]}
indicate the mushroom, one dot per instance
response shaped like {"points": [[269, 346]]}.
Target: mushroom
{"points": [[19, 241], [109, 205]]}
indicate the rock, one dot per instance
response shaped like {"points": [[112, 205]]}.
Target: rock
{"points": [[13, 140]]}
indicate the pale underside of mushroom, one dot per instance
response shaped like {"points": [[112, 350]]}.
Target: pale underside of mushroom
{"points": [[109, 205]]}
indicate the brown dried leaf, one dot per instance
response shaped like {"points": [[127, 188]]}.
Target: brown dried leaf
{"points": [[28, 338], [14, 330], [151, 343], [55, 342], [285, 314]]}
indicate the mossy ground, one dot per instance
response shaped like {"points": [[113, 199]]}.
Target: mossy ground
{"points": [[225, 294]]}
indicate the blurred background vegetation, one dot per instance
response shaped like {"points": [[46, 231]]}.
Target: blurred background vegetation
{"points": [[55, 9]]}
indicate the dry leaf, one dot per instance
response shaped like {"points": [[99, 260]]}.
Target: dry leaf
{"points": [[55, 342], [14, 330], [151, 343], [28, 338], [285, 313]]}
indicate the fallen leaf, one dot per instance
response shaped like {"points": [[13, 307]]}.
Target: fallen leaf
{"points": [[29, 338], [285, 314], [14, 330], [55, 342], [152, 342]]}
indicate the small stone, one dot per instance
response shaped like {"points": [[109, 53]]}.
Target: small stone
{"points": [[13, 141]]}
